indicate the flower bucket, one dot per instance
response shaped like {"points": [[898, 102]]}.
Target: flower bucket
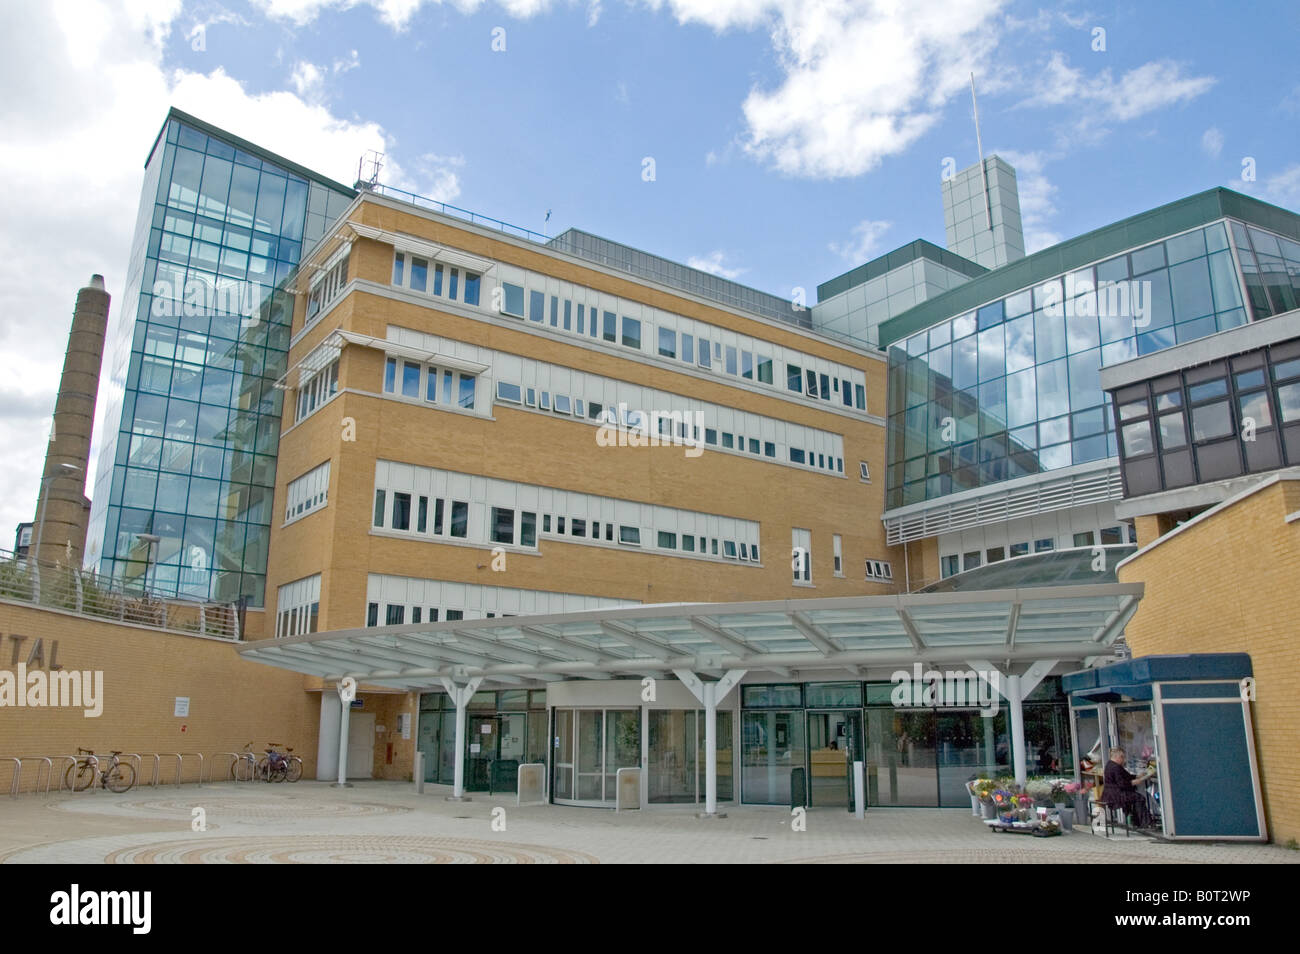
{"points": [[1066, 813], [988, 809]]}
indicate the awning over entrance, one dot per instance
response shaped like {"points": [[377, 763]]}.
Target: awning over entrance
{"points": [[1012, 637], [1064, 622]]}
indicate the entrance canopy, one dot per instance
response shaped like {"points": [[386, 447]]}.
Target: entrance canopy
{"points": [[781, 637]]}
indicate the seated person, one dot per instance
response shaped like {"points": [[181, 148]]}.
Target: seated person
{"points": [[1119, 791]]}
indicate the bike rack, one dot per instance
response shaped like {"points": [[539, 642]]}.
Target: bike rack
{"points": [[71, 760], [235, 759], [49, 770], [18, 770], [180, 758], [139, 768]]}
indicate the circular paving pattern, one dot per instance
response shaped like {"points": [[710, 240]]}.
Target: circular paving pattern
{"points": [[217, 807], [343, 849], [966, 856]]}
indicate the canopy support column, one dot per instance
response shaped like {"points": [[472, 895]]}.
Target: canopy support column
{"points": [[460, 696], [1015, 689], [709, 695]]}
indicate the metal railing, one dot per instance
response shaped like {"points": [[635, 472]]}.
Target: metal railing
{"points": [[86, 593], [475, 218]]}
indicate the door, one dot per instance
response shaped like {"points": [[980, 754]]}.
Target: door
{"points": [[361, 744], [482, 739], [832, 742]]}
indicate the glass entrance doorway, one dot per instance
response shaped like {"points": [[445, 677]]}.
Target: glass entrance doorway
{"points": [[834, 741], [677, 759], [590, 746]]}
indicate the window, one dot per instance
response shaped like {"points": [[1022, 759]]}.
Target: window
{"points": [[390, 376], [950, 565], [794, 378], [459, 519], [410, 379], [379, 508], [1042, 546], [879, 570], [396, 615], [729, 549], [837, 546], [864, 472], [630, 536], [536, 306], [437, 516], [688, 348], [1019, 549], [419, 273], [1083, 539], [372, 614], [764, 369], [801, 557], [319, 388], [578, 527], [797, 456], [508, 392], [731, 360], [562, 404], [769, 449], [706, 353], [503, 525], [399, 267], [422, 517], [609, 326], [512, 300], [467, 391], [401, 511], [728, 440], [472, 282], [970, 560], [753, 445], [453, 615], [688, 542], [527, 529], [631, 333], [667, 541], [667, 343]]}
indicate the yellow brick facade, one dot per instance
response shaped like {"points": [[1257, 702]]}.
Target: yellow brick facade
{"points": [[1228, 583], [536, 448]]}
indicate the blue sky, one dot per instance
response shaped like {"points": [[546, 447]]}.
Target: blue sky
{"points": [[791, 139], [564, 117]]}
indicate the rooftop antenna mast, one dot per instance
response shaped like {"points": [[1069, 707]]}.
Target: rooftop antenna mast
{"points": [[368, 167], [984, 172]]}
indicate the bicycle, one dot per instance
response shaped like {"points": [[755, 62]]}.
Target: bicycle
{"points": [[244, 768], [118, 777], [279, 766]]}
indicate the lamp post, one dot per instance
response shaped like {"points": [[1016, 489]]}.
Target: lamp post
{"points": [[150, 539]]}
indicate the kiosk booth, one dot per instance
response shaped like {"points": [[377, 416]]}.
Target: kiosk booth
{"points": [[1188, 718]]}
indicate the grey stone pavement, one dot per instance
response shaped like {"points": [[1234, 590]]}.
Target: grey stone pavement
{"points": [[388, 822]]}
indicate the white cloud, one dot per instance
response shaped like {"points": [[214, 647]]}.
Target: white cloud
{"points": [[308, 79], [865, 243], [398, 14], [77, 141], [863, 80], [712, 263], [1282, 188], [1036, 198], [1141, 90], [1212, 142]]}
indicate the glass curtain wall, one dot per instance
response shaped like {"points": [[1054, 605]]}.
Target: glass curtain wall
{"points": [[1013, 388], [187, 445]]}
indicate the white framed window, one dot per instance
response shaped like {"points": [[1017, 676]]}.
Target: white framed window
{"points": [[317, 389], [308, 492], [880, 571], [440, 386], [418, 273], [328, 285], [864, 472], [838, 546], [801, 555], [297, 607]]}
